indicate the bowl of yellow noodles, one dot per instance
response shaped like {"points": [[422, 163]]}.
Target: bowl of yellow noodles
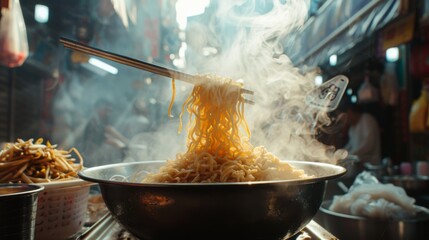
{"points": [[221, 187], [275, 209]]}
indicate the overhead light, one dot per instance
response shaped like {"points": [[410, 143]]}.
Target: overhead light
{"points": [[188, 8], [392, 54], [207, 51], [41, 13], [102, 65], [179, 62], [318, 80], [349, 91], [333, 60], [353, 99], [94, 69], [152, 101]]}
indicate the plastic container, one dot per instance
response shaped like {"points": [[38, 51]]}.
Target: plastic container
{"points": [[406, 168], [422, 168], [18, 205], [61, 209]]}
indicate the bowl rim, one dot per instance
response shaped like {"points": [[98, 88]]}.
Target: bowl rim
{"points": [[27, 189], [324, 207], [338, 171], [65, 183]]}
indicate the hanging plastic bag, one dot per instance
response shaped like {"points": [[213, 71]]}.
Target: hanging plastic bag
{"points": [[367, 92], [13, 36]]}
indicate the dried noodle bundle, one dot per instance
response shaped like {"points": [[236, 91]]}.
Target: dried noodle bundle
{"points": [[28, 162]]}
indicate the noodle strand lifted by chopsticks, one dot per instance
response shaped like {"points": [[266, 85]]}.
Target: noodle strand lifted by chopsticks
{"points": [[218, 147], [28, 162], [173, 96]]}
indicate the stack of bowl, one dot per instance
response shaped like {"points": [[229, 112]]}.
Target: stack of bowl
{"points": [[18, 207]]}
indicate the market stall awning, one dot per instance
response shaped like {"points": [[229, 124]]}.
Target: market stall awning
{"points": [[338, 26]]}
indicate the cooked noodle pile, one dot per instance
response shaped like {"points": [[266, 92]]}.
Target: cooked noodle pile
{"points": [[218, 147]]}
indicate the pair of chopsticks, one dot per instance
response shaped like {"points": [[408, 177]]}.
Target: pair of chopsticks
{"points": [[163, 71]]}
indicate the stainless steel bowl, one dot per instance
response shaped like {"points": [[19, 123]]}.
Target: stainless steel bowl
{"points": [[18, 206], [350, 227], [248, 210]]}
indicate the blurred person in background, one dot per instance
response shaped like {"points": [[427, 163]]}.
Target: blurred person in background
{"points": [[134, 123], [137, 121], [96, 149], [363, 135]]}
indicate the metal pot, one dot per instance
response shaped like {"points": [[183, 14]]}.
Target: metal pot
{"points": [[18, 206], [247, 210], [351, 227]]}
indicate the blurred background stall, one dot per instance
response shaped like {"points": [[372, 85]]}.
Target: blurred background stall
{"points": [[115, 113]]}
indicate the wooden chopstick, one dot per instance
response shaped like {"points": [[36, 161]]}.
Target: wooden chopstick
{"points": [[163, 71]]}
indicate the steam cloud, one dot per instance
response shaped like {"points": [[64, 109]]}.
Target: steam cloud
{"points": [[243, 39], [250, 44]]}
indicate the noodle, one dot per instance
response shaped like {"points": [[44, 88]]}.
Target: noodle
{"points": [[28, 162], [218, 147], [173, 89]]}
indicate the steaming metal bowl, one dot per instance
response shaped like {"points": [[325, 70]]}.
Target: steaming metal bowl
{"points": [[248, 210]]}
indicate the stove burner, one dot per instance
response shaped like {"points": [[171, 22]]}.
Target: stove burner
{"points": [[109, 229]]}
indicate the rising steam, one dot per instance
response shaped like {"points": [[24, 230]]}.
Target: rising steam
{"points": [[250, 48], [241, 39]]}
